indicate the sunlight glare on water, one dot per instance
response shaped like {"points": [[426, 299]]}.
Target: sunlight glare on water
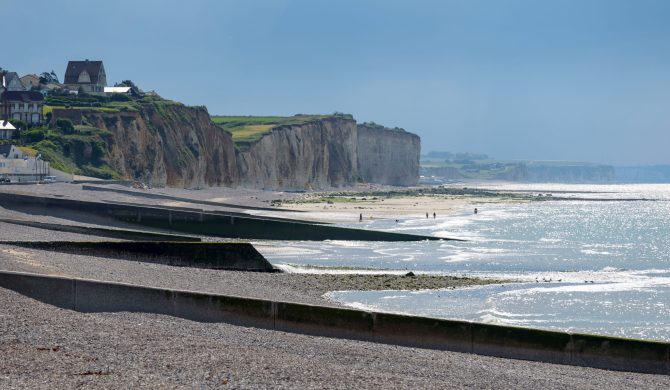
{"points": [[586, 266]]}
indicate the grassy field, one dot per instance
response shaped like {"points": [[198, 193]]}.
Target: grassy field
{"points": [[249, 129], [47, 109]]}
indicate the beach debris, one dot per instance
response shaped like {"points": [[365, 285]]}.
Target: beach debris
{"points": [[96, 373], [410, 273], [54, 349]]}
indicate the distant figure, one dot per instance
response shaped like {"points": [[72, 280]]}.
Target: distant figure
{"points": [[475, 210], [434, 215], [360, 218], [397, 220], [426, 215]]}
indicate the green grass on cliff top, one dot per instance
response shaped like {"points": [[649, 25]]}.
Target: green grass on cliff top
{"points": [[248, 129]]}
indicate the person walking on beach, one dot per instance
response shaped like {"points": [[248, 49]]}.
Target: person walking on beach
{"points": [[475, 210], [434, 215], [360, 218], [426, 215]]}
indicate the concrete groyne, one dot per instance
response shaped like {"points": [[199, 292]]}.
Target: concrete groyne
{"points": [[220, 224], [122, 234], [151, 195], [484, 339], [232, 256]]}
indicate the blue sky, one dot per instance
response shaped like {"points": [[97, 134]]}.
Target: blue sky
{"points": [[559, 80]]}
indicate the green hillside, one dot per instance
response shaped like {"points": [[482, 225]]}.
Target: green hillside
{"points": [[80, 149]]}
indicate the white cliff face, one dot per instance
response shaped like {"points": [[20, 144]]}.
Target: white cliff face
{"points": [[328, 153], [319, 154], [175, 146], [387, 156]]}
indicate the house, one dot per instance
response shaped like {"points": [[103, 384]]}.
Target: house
{"points": [[88, 75], [23, 105], [12, 82], [30, 81], [6, 130], [10, 152], [19, 167]]}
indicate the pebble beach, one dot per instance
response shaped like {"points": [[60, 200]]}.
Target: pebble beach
{"points": [[47, 347]]}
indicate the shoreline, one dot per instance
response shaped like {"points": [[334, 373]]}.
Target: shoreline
{"points": [[45, 344], [310, 287]]}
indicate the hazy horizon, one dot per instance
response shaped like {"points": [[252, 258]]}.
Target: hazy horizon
{"points": [[554, 80]]}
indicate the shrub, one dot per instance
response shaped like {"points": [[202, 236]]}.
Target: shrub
{"points": [[34, 135], [19, 124], [65, 125]]}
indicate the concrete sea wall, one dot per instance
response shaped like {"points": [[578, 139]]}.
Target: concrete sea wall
{"points": [[231, 225], [484, 339], [181, 199], [122, 234], [234, 256]]}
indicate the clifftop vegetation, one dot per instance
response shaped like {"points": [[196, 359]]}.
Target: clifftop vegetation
{"points": [[248, 129], [373, 125], [81, 149]]}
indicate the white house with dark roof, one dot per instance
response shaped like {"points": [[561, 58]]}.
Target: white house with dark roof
{"points": [[88, 75], [6, 129]]}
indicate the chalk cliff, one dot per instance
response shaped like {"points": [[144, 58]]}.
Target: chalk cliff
{"points": [[164, 144], [318, 154], [388, 156], [523, 171]]}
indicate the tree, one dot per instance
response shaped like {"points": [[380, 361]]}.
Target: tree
{"points": [[48, 77], [135, 90], [126, 83]]}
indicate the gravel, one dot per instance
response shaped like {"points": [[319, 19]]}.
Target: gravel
{"points": [[46, 347], [301, 288]]}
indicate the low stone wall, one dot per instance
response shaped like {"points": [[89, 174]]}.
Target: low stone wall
{"points": [[510, 342], [210, 255], [220, 224]]}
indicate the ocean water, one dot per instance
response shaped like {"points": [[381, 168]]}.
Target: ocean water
{"points": [[598, 266]]}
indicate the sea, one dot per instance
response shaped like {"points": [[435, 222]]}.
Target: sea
{"points": [[597, 261]]}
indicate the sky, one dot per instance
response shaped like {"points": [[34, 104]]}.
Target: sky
{"points": [[578, 80]]}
